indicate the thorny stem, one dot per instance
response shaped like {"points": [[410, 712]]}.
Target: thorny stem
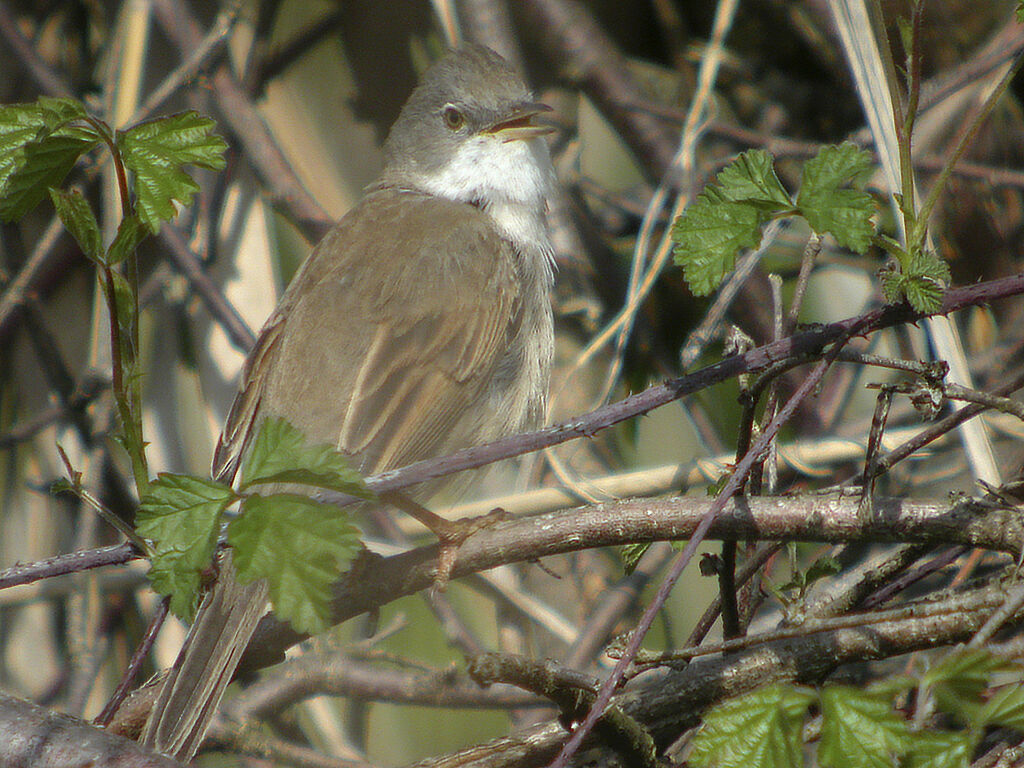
{"points": [[127, 394]]}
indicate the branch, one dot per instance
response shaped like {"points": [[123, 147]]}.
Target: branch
{"points": [[31, 735], [805, 518], [673, 701]]}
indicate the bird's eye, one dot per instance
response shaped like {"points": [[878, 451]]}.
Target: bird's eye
{"points": [[453, 117]]}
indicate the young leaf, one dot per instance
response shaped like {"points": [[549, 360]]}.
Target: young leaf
{"points": [[281, 455], [36, 166], [130, 233], [57, 112], [939, 749], [726, 217], [859, 730], [751, 178], [176, 574], [181, 515], [300, 548], [758, 730], [923, 293], [828, 206], [79, 220], [1005, 707], [156, 150], [708, 235], [23, 124], [631, 554], [964, 673]]}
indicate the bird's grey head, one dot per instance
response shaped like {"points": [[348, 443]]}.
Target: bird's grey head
{"points": [[468, 133]]}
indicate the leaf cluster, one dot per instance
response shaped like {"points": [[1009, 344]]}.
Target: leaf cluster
{"points": [[40, 142], [862, 728], [298, 545], [729, 214]]}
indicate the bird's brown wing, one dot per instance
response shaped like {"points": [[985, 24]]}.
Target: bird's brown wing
{"points": [[387, 349]]}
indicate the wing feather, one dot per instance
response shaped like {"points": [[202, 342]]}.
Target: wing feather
{"points": [[388, 336]]}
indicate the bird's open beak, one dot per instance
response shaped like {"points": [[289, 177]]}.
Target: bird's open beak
{"points": [[521, 124]]}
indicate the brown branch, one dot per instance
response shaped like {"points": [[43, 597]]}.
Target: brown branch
{"points": [[73, 562], [806, 518], [674, 701], [342, 675], [33, 736]]}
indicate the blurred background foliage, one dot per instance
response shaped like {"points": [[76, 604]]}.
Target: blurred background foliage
{"points": [[325, 80]]}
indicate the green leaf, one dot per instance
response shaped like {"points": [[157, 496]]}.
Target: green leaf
{"points": [[300, 548], [758, 730], [156, 150], [181, 515], [1005, 707], [35, 167], [939, 749], [827, 206], [859, 730], [124, 301], [965, 672], [726, 217], [23, 124], [79, 220], [631, 554], [174, 573], [130, 232], [57, 112], [281, 455], [708, 235], [892, 285], [923, 293], [751, 178]]}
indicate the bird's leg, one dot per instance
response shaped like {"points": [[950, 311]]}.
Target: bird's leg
{"points": [[450, 533]]}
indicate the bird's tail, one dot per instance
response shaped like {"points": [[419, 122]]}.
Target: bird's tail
{"points": [[190, 694]]}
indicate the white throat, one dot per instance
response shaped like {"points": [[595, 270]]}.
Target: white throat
{"points": [[509, 180]]}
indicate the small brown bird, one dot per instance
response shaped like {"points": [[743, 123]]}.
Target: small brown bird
{"points": [[420, 325]]}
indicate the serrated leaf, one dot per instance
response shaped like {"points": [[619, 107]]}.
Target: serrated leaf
{"points": [[174, 574], [58, 112], [923, 293], [828, 206], [631, 554], [758, 730], [859, 730], [1005, 707], [282, 455], [751, 178], [79, 220], [708, 235], [19, 125], [130, 232], [35, 167], [156, 150], [939, 749], [181, 515], [22, 124], [300, 547], [892, 286]]}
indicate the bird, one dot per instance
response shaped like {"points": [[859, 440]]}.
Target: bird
{"points": [[419, 325]]}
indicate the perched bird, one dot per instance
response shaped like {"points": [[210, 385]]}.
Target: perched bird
{"points": [[421, 324]]}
